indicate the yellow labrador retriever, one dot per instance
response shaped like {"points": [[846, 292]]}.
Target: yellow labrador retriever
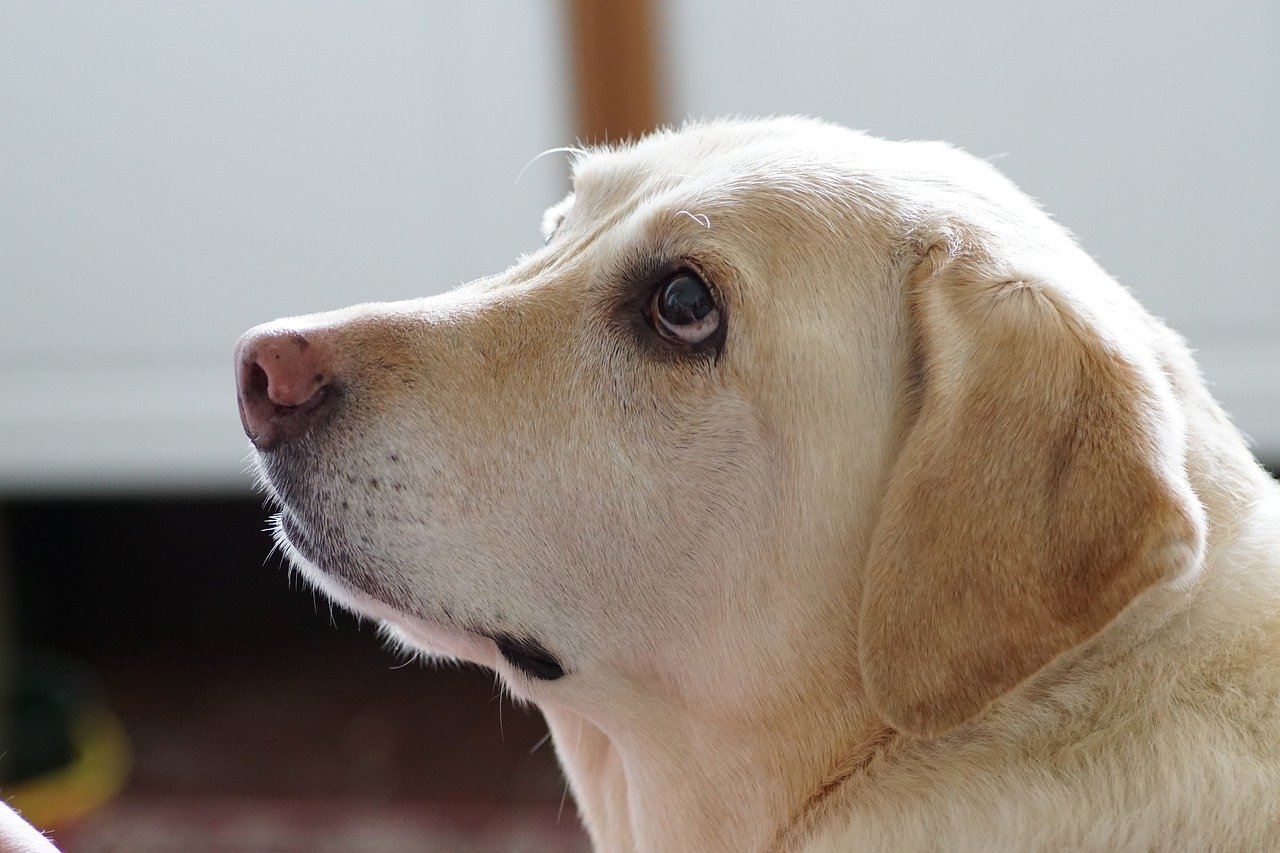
{"points": [[822, 493]]}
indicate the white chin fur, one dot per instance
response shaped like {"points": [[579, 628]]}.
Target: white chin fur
{"points": [[429, 638]]}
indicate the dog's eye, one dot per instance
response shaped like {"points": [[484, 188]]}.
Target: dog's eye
{"points": [[683, 310]]}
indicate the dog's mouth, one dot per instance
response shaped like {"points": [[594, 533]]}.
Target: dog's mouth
{"points": [[323, 546], [321, 550], [528, 656], [304, 518], [291, 531], [310, 543]]}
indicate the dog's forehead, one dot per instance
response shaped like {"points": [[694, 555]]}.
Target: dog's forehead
{"points": [[710, 162], [755, 176]]}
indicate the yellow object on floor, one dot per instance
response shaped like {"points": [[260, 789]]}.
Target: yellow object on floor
{"points": [[94, 777]]}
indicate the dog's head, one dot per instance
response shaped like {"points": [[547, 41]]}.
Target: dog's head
{"points": [[774, 397]]}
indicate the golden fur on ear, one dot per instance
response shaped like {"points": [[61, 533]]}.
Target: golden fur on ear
{"points": [[1038, 491]]}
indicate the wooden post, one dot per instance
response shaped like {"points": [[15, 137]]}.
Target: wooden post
{"points": [[614, 68]]}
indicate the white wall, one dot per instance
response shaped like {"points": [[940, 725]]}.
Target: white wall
{"points": [[1151, 129], [172, 173]]}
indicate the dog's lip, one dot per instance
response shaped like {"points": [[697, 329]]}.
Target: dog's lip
{"points": [[435, 637], [292, 530], [524, 654], [529, 656], [442, 637]]}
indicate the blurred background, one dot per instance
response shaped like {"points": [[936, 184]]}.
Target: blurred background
{"points": [[174, 173]]}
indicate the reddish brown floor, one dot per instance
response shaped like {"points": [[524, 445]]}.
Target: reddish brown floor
{"points": [[340, 752]]}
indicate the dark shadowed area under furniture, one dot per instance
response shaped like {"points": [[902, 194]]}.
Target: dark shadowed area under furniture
{"points": [[256, 717]]}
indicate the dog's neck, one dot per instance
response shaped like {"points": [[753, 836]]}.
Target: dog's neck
{"points": [[681, 777], [684, 775], [632, 800]]}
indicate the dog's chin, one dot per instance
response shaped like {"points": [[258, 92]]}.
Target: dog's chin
{"points": [[431, 638]]}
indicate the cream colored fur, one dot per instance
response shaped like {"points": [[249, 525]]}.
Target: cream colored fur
{"points": [[948, 549]]}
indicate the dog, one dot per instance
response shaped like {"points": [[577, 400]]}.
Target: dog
{"points": [[822, 493]]}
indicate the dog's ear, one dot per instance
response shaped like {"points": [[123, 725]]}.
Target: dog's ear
{"points": [[1039, 488]]}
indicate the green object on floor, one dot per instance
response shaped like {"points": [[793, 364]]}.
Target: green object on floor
{"points": [[65, 753]]}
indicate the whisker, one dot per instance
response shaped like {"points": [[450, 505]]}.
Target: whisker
{"points": [[546, 737], [564, 149]]}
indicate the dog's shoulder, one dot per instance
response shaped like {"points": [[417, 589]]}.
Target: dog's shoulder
{"points": [[1167, 729]]}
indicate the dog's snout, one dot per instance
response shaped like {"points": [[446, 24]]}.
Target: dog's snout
{"points": [[283, 380]]}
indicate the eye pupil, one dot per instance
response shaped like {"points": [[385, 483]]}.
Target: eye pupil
{"points": [[685, 301]]}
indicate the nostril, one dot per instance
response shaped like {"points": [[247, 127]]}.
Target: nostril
{"points": [[255, 381]]}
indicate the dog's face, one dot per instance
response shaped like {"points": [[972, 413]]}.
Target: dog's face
{"points": [[651, 455], [595, 449]]}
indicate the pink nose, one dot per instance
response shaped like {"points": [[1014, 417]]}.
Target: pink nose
{"points": [[283, 379]]}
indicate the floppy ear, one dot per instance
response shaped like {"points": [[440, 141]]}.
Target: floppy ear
{"points": [[1039, 489]]}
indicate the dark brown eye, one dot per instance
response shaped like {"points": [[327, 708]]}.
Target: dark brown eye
{"points": [[683, 310]]}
